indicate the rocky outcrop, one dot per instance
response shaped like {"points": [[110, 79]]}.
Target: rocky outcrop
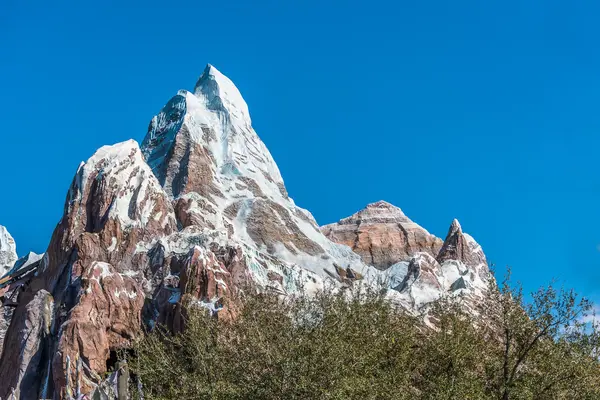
{"points": [[416, 265], [460, 268], [462, 247], [9, 287], [269, 223], [22, 271], [382, 235], [105, 318], [8, 250], [205, 278], [26, 356], [422, 282], [114, 204]]}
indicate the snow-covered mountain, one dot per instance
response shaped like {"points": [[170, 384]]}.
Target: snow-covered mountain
{"points": [[201, 201]]}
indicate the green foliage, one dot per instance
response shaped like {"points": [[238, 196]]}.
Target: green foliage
{"points": [[356, 345]]}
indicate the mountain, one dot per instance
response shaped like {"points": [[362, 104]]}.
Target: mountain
{"points": [[196, 211]]}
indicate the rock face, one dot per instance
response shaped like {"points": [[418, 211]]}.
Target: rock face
{"points": [[416, 265], [106, 316], [382, 235], [462, 247], [8, 250], [113, 205], [199, 210], [10, 291]]}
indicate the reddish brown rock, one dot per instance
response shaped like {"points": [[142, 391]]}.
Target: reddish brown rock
{"points": [[382, 235], [114, 204], [196, 211], [462, 247], [119, 240], [187, 167], [106, 317], [206, 278], [269, 224]]}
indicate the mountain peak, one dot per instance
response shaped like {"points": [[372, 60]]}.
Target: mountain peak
{"points": [[221, 94], [462, 247], [382, 235], [454, 227]]}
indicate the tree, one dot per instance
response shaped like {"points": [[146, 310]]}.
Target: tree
{"points": [[540, 342], [355, 344]]}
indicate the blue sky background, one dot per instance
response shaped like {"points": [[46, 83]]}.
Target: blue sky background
{"points": [[486, 111]]}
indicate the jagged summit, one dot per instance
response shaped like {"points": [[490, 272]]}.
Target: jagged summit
{"points": [[455, 227], [24, 262], [220, 175], [462, 247], [380, 210], [221, 94], [419, 267], [203, 140]]}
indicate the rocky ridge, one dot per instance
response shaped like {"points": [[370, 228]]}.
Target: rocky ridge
{"points": [[197, 210], [418, 267]]}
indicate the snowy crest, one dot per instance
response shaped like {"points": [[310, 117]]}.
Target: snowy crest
{"points": [[115, 184], [222, 95], [213, 126]]}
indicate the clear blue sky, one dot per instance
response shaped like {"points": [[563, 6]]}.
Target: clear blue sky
{"points": [[486, 111]]}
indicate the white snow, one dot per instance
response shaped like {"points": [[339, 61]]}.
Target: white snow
{"points": [[104, 269], [213, 84], [113, 244], [8, 250], [131, 295]]}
